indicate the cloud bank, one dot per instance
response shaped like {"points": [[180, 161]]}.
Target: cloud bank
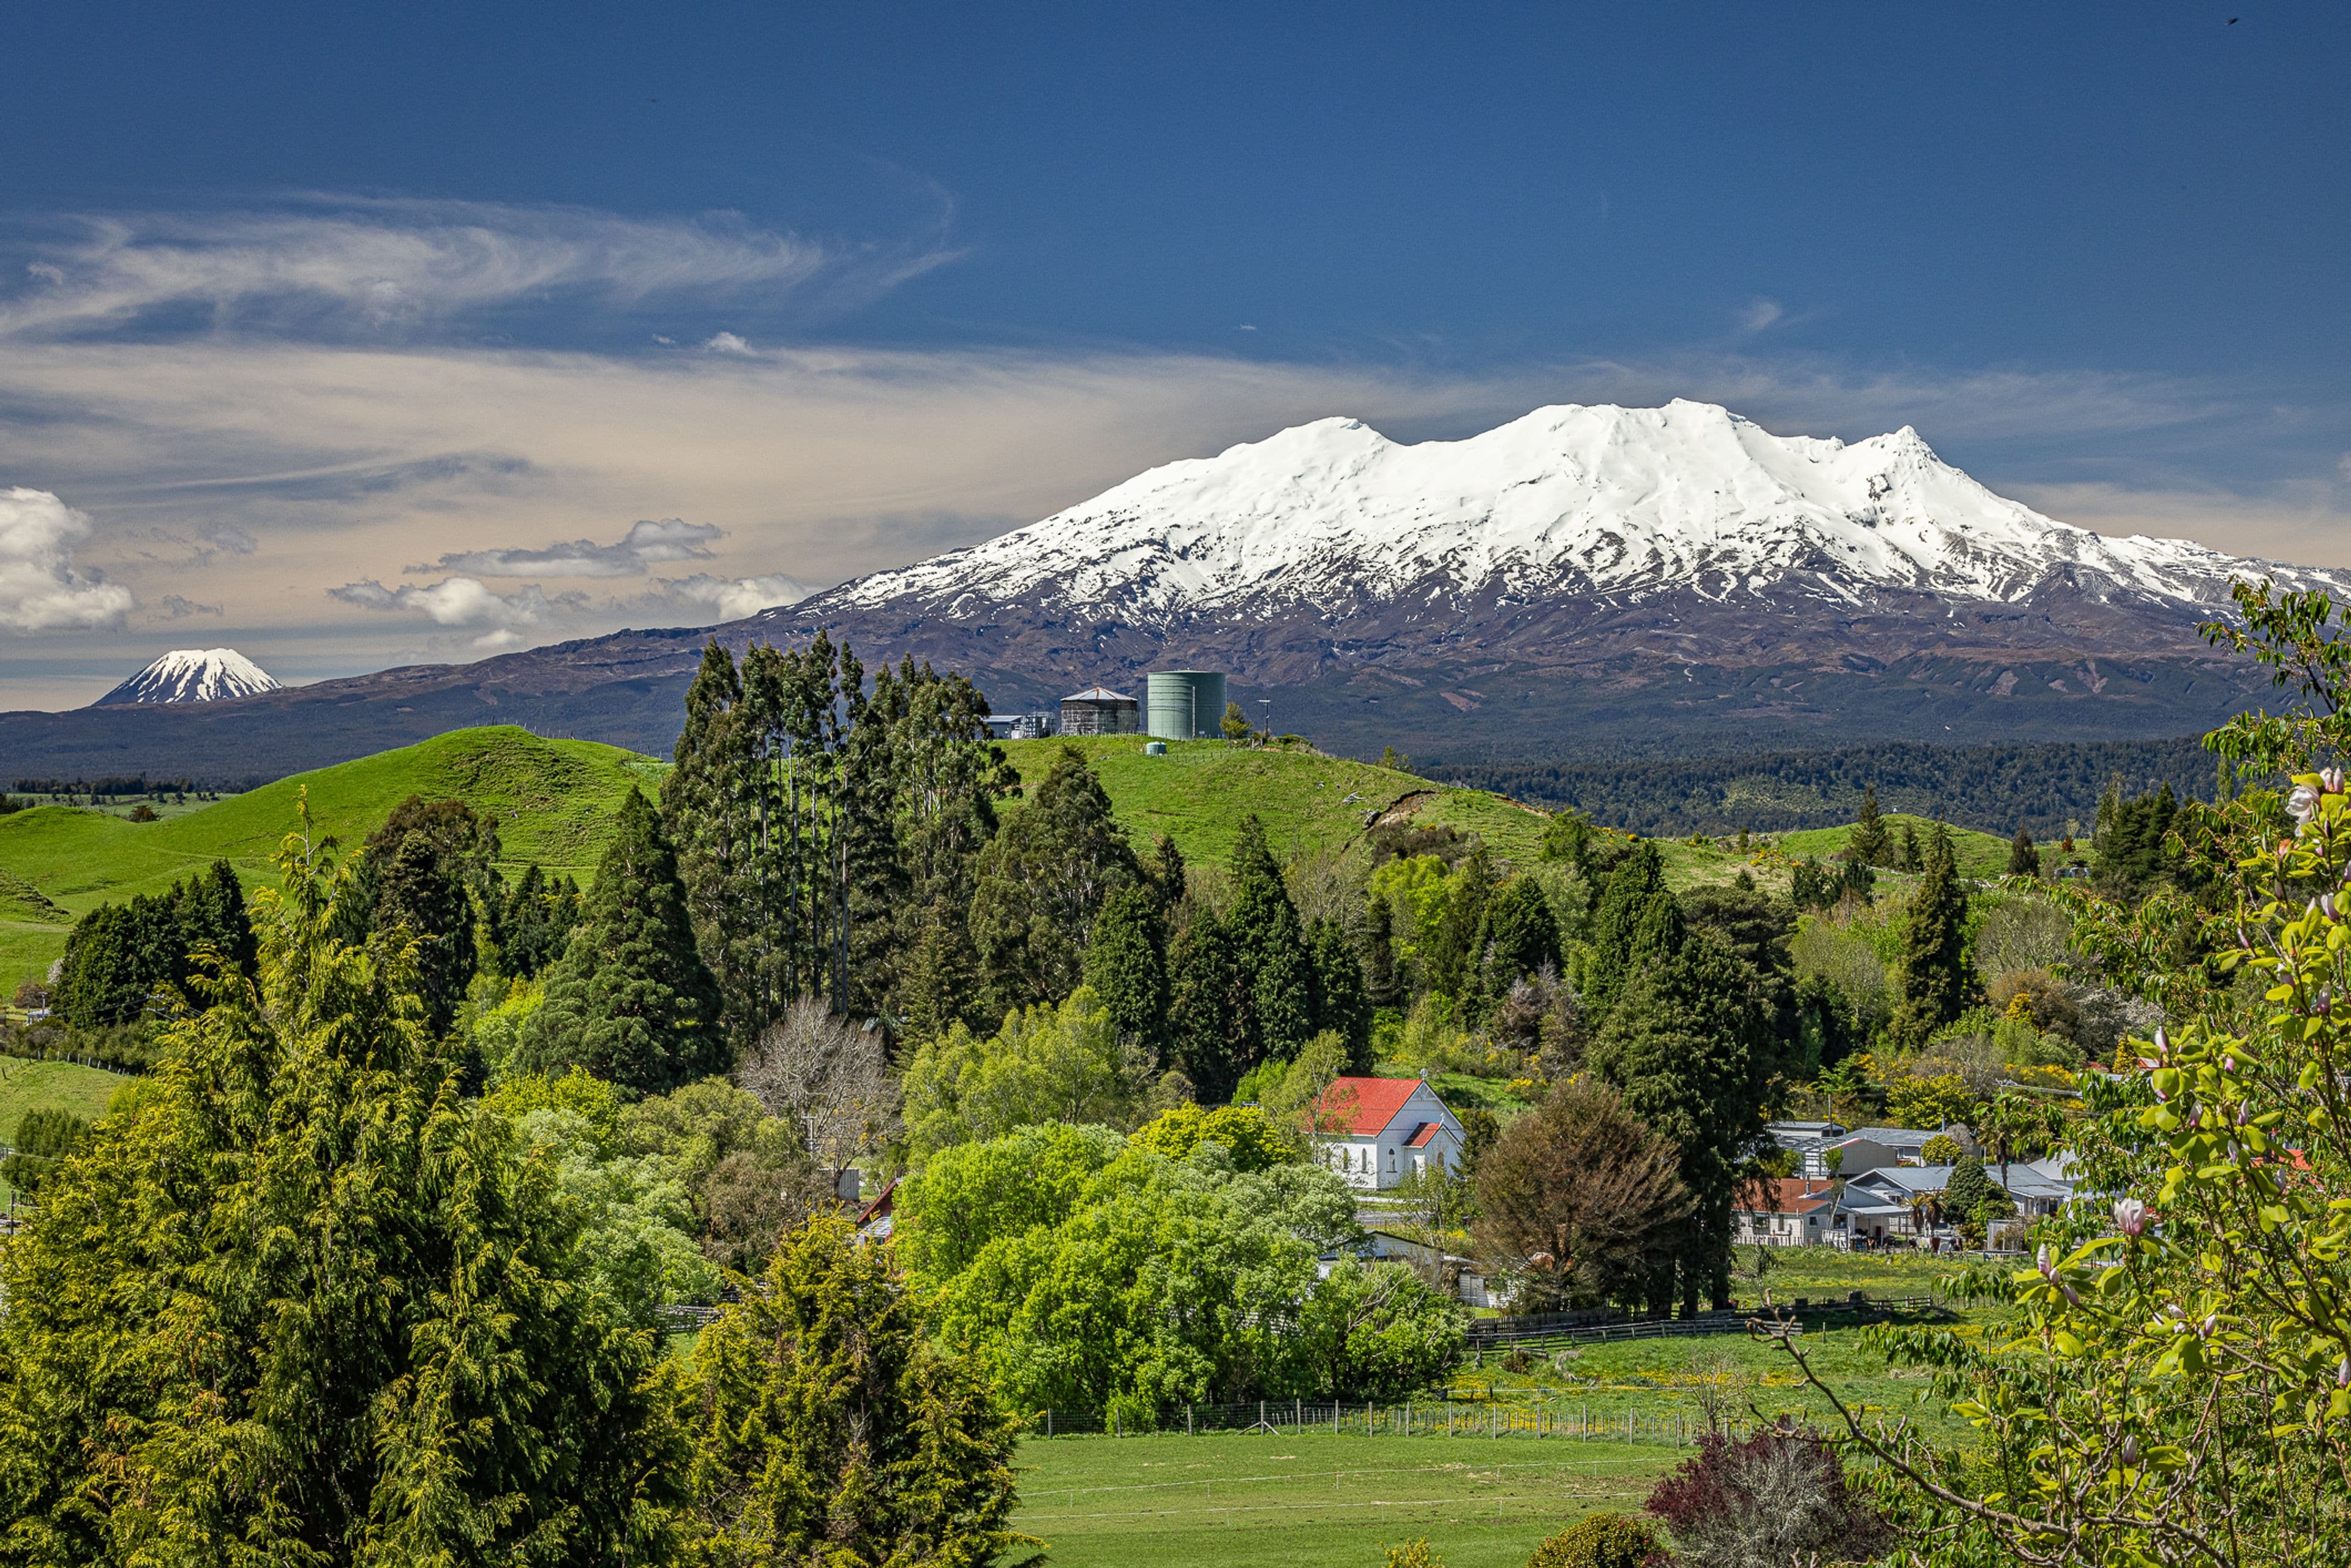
{"points": [[645, 545]]}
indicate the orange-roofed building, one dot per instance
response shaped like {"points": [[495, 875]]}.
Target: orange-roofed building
{"points": [[1377, 1132]]}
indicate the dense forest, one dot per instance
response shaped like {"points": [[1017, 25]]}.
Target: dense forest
{"points": [[2050, 790]]}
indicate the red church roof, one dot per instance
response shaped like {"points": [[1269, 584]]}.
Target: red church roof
{"points": [[1423, 1135], [1364, 1106]]}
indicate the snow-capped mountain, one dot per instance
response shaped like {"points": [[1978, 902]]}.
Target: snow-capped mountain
{"points": [[1597, 503], [193, 675]]}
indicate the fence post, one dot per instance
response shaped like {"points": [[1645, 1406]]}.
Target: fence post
{"points": [[1187, 1420], [1113, 1424], [1048, 1421]]}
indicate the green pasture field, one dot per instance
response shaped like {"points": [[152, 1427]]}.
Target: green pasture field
{"points": [[1978, 854], [1200, 791], [52, 1086], [1309, 1500], [552, 801]]}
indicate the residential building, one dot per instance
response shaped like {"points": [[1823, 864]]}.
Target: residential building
{"points": [[1378, 1132], [1791, 1211]]}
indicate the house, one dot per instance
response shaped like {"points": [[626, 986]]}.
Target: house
{"points": [[878, 1219], [1377, 1132], [1466, 1275], [1910, 1143], [1895, 1204], [1792, 1211]]}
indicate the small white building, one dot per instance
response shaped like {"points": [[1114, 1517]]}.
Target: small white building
{"points": [[1377, 1132], [1792, 1211]]}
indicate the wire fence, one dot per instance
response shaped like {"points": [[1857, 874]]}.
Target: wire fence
{"points": [[1544, 1334], [1489, 1421]]}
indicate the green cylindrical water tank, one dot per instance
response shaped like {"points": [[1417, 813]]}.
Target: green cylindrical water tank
{"points": [[1183, 705]]}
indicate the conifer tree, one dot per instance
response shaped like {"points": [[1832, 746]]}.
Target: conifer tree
{"points": [[940, 987], [1909, 858], [1932, 971], [1520, 937], [422, 899], [1453, 957], [364, 1335], [1691, 1047], [630, 1001], [828, 1428], [1126, 966], [2023, 855], [712, 803], [1163, 873], [1042, 881], [1339, 985], [1869, 845], [1276, 971], [1380, 984], [1207, 1007], [1636, 883]]}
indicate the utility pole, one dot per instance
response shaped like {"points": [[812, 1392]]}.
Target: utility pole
{"points": [[1266, 705]]}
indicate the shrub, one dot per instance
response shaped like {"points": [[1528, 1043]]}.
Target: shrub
{"points": [[1943, 1149], [1771, 1498], [1518, 1363], [1411, 1554], [1600, 1541]]}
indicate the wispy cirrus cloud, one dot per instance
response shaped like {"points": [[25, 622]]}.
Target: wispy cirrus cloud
{"points": [[340, 267]]}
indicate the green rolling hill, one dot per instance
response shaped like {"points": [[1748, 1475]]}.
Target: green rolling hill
{"points": [[552, 799]]}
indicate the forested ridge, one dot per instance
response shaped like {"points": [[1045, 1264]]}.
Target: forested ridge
{"points": [[2049, 790]]}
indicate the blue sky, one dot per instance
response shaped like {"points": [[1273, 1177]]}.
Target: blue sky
{"points": [[293, 299]]}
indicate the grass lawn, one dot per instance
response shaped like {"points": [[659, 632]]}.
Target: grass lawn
{"points": [[1976, 854], [1310, 1499], [52, 1086], [552, 801]]}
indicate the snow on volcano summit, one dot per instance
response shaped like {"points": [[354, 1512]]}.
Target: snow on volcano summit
{"points": [[1572, 501], [193, 675]]}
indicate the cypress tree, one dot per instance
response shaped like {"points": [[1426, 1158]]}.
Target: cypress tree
{"points": [[1634, 885], [1932, 971], [1126, 966], [2023, 855], [1207, 1007], [422, 899], [1689, 1045], [711, 805], [1339, 982], [1909, 858], [1379, 953], [1042, 881], [1275, 970], [941, 985], [632, 1000], [1518, 939], [1453, 957], [1869, 845]]}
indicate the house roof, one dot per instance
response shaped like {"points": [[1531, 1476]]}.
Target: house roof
{"points": [[1098, 695], [884, 1206], [1365, 1106], [1422, 1135], [1909, 1179], [1787, 1194], [1905, 1137]]}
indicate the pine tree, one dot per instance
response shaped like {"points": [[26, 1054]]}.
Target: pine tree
{"points": [[1869, 845], [1909, 858], [422, 900], [1453, 957], [1339, 984], [630, 1001], [1164, 872], [2024, 856], [1932, 971], [1126, 966]]}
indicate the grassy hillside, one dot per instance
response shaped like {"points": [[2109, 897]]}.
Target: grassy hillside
{"points": [[1198, 793], [552, 801], [52, 1086], [1978, 854]]}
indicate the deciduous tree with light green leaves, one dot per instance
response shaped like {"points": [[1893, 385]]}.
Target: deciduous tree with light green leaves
{"points": [[1048, 1063], [2176, 1388]]}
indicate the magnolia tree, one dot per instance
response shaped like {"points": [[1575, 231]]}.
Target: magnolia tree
{"points": [[2176, 1384]]}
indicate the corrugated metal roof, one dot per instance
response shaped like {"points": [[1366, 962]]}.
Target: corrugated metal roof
{"points": [[1098, 695]]}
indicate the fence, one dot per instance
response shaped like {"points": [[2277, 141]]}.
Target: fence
{"points": [[1499, 1334], [1489, 1421]]}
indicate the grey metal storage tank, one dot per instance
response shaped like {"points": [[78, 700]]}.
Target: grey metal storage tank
{"points": [[1098, 710], [1183, 705]]}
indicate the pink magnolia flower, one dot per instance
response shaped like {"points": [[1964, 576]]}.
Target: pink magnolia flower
{"points": [[2130, 1217]]}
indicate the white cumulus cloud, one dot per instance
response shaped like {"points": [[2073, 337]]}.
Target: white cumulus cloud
{"points": [[464, 602], [735, 598], [41, 589], [726, 343]]}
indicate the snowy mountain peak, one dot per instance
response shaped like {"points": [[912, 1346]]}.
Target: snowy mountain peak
{"points": [[193, 675], [1588, 502]]}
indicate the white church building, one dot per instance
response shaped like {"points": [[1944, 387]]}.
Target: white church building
{"points": [[1378, 1132]]}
